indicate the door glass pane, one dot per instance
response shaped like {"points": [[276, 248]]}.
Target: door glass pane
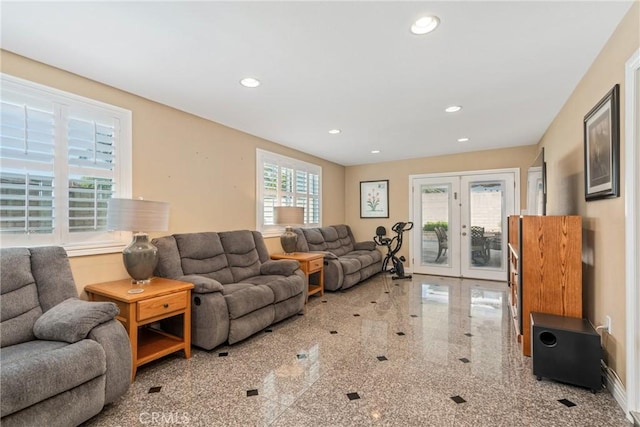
{"points": [[486, 204], [436, 217]]}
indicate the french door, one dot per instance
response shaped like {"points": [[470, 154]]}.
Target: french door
{"points": [[461, 223]]}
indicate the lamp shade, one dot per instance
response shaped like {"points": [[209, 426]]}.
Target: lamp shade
{"points": [[137, 215], [288, 215]]}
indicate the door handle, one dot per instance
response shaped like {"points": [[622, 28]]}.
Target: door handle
{"points": [[464, 234], [464, 226]]}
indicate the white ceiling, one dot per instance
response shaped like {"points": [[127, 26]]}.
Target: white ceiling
{"points": [[323, 65]]}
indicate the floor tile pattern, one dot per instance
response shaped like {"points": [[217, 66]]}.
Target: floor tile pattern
{"points": [[458, 346]]}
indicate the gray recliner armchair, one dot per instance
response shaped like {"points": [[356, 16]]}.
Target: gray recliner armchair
{"points": [[62, 358]]}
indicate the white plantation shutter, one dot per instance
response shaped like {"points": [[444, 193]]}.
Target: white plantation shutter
{"points": [[91, 160], [62, 158], [284, 181], [27, 137]]}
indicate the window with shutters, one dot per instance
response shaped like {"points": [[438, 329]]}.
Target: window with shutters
{"points": [[284, 181], [62, 157]]}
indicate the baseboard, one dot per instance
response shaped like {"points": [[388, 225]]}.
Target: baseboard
{"points": [[636, 419], [615, 386]]}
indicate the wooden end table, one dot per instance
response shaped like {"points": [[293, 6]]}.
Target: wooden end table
{"points": [[310, 263], [161, 299]]}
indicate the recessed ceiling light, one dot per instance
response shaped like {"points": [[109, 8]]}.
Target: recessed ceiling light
{"points": [[463, 139], [250, 82], [425, 25], [375, 151], [335, 131], [453, 109]]}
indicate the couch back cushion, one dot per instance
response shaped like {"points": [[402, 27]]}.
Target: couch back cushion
{"points": [[203, 254], [242, 252], [33, 281], [338, 238], [314, 239]]}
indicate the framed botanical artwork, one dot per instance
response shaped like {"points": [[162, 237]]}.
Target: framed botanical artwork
{"points": [[602, 148], [374, 199]]}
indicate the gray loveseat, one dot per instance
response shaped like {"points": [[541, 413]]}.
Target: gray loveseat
{"points": [[62, 358], [346, 262], [238, 289]]}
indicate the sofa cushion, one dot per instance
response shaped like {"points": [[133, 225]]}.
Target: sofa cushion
{"points": [[282, 287], [315, 240], [349, 265], [242, 254], [203, 254], [366, 258], [248, 299], [31, 377], [19, 305], [73, 319]]}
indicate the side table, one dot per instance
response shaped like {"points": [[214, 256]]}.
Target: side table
{"points": [[161, 299], [310, 263]]}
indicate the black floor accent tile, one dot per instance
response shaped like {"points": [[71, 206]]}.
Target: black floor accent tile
{"points": [[382, 358], [414, 315], [268, 331], [333, 332], [252, 392], [397, 284], [469, 334], [155, 389], [300, 314], [353, 396], [400, 333], [324, 300], [464, 360], [567, 403], [458, 399], [356, 315], [374, 302], [386, 292], [223, 354], [301, 356]]}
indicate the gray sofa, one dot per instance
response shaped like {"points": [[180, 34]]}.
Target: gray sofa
{"points": [[346, 262], [62, 358], [238, 289]]}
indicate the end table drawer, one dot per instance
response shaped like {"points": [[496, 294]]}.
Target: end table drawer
{"points": [[315, 264], [158, 306]]}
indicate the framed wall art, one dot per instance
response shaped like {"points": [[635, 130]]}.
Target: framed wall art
{"points": [[374, 199], [602, 148]]}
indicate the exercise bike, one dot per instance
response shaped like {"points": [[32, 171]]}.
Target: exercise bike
{"points": [[393, 246]]}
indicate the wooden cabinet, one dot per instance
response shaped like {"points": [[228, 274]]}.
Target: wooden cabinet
{"points": [[545, 270]]}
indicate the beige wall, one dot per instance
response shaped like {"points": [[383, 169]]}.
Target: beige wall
{"points": [[603, 220], [398, 175], [206, 171]]}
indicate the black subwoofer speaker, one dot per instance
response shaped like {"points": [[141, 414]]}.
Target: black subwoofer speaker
{"points": [[566, 349]]}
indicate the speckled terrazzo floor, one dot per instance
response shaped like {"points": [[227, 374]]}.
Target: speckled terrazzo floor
{"points": [[388, 353]]}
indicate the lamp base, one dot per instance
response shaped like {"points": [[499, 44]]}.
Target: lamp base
{"points": [[288, 240], [140, 259]]}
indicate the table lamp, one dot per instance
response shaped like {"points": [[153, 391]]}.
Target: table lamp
{"points": [[141, 256], [288, 216]]}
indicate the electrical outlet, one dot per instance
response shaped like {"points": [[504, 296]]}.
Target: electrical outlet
{"points": [[607, 324]]}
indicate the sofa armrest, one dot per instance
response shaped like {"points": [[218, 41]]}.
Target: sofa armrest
{"points": [[203, 285], [73, 319], [114, 340], [365, 246], [281, 267]]}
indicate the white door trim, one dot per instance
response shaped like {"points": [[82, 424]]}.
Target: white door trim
{"points": [[515, 171], [632, 241]]}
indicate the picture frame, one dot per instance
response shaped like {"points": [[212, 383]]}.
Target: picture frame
{"points": [[374, 199], [601, 129]]}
